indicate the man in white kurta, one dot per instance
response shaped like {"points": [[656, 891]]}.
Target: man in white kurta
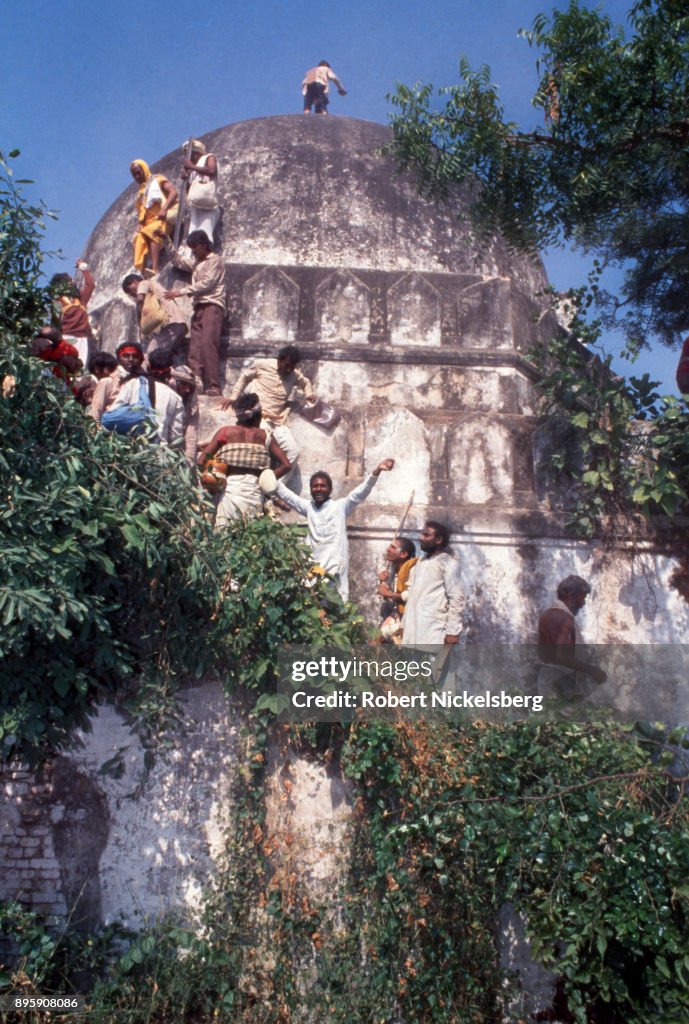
{"points": [[435, 597], [327, 521]]}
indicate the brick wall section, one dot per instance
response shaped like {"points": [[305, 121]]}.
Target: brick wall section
{"points": [[29, 870]]}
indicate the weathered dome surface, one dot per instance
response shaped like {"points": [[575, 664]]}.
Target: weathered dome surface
{"points": [[419, 338], [316, 191]]}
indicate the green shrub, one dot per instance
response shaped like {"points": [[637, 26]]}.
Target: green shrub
{"points": [[571, 823], [113, 583]]}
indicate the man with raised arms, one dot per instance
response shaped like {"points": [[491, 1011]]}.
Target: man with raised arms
{"points": [[327, 520]]}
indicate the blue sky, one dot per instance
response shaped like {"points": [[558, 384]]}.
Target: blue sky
{"points": [[88, 88]]}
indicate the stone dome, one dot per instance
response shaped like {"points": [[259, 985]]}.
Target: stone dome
{"points": [[419, 341], [416, 335], [316, 191]]}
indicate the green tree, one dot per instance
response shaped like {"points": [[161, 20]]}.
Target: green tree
{"points": [[113, 584], [608, 167]]}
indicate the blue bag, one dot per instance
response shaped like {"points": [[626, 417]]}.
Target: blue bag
{"points": [[131, 418]]}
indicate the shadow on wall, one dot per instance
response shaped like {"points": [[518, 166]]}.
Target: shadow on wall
{"points": [[556, 437], [80, 831]]}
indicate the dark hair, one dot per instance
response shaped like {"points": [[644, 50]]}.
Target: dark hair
{"points": [[103, 361], [290, 352], [440, 530], [160, 359], [199, 238], [63, 285], [323, 64], [321, 474], [247, 409], [572, 585], [130, 279], [83, 385], [407, 545], [129, 344], [50, 334]]}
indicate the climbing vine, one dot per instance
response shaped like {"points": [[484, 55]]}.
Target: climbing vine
{"points": [[621, 447]]}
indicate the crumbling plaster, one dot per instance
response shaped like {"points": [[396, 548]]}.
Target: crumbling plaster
{"points": [[419, 340]]}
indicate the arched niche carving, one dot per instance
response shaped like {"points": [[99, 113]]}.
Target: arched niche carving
{"points": [[414, 312], [481, 463], [270, 307], [484, 314], [343, 309]]}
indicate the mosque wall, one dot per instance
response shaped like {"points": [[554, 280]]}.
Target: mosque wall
{"points": [[421, 345]]}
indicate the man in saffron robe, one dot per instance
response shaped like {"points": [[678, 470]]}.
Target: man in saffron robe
{"points": [[154, 200]]}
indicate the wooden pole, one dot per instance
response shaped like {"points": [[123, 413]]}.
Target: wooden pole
{"points": [[182, 201]]}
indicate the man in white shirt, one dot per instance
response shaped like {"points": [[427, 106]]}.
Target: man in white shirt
{"points": [[435, 598], [327, 521]]}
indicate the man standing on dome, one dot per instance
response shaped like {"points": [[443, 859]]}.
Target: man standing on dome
{"points": [[315, 87], [154, 203], [200, 171]]}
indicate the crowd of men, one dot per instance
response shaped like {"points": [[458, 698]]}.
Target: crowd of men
{"points": [[153, 386]]}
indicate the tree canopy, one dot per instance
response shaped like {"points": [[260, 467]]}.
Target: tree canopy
{"points": [[608, 167]]}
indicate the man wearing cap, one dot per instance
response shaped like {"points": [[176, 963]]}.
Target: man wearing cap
{"points": [[558, 635], [200, 170]]}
